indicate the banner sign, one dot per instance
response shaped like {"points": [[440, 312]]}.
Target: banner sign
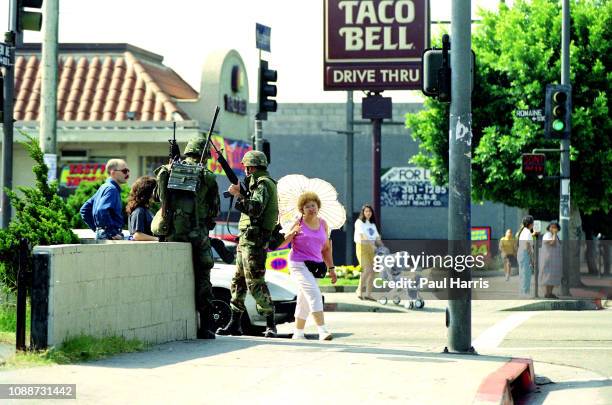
{"points": [[410, 187], [374, 44], [481, 241], [74, 173]]}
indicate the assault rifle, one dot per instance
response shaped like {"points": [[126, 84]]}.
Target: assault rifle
{"points": [[174, 150], [231, 176]]}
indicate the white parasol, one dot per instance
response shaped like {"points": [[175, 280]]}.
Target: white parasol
{"points": [[292, 186]]}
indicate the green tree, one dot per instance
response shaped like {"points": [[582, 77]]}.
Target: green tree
{"points": [[41, 217], [517, 54]]}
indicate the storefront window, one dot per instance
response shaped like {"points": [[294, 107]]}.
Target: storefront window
{"points": [[153, 162]]}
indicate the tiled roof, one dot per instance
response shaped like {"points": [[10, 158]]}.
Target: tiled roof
{"points": [[102, 88]]}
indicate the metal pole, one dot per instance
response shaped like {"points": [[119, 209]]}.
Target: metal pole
{"points": [[460, 186], [564, 200], [350, 115], [258, 138], [258, 142], [7, 124], [376, 128], [48, 123]]}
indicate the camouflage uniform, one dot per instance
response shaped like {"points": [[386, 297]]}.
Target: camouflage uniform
{"points": [[190, 216], [257, 208], [259, 216]]}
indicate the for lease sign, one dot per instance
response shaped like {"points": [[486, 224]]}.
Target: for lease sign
{"points": [[374, 44]]}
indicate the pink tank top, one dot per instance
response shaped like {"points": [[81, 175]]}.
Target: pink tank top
{"points": [[308, 243]]}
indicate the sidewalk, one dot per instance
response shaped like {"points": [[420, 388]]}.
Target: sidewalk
{"points": [[239, 370]]}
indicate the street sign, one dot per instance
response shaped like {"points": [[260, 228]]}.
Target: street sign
{"points": [[374, 45], [536, 115], [262, 37], [534, 163], [6, 55]]}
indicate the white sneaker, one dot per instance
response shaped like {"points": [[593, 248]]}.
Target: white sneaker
{"points": [[298, 336], [325, 336]]}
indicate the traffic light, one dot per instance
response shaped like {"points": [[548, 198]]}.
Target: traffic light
{"points": [[267, 151], [267, 89], [437, 73], [29, 20], [558, 111]]}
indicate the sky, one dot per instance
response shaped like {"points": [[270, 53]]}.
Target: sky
{"points": [[184, 32]]}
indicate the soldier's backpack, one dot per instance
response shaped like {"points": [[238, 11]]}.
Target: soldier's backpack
{"points": [[185, 177]]}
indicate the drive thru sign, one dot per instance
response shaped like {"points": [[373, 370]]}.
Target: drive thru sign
{"points": [[374, 44]]}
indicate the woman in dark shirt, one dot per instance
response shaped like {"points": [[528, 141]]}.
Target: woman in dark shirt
{"points": [[139, 221]]}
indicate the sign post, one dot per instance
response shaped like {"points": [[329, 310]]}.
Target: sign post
{"points": [[262, 42]]}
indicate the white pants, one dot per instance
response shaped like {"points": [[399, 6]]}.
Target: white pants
{"points": [[309, 297]]}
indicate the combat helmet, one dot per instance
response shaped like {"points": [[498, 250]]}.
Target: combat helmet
{"points": [[255, 158], [195, 146]]}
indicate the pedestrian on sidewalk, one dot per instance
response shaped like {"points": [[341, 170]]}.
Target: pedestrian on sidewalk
{"points": [[507, 247], [525, 255], [366, 239], [310, 247], [103, 212], [551, 259], [139, 215]]}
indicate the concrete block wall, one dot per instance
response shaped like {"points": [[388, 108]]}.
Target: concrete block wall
{"points": [[141, 290]]}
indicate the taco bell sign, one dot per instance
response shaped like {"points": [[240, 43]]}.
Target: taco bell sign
{"points": [[374, 44]]}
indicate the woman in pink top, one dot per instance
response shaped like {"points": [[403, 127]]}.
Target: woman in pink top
{"points": [[309, 241]]}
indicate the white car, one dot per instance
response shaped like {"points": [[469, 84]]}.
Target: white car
{"points": [[282, 289]]}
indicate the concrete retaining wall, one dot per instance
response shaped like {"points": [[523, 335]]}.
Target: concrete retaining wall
{"points": [[140, 290]]}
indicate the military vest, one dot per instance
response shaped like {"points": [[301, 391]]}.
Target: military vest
{"points": [[269, 216]]}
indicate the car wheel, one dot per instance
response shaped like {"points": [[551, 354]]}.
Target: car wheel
{"points": [[418, 304], [221, 311]]}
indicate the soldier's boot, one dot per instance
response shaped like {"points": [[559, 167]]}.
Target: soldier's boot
{"points": [[270, 326], [206, 329], [234, 327]]}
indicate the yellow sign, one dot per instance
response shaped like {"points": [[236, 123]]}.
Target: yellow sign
{"points": [[278, 260]]}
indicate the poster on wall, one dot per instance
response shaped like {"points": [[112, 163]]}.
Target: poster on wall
{"points": [[233, 151], [481, 241], [410, 186]]}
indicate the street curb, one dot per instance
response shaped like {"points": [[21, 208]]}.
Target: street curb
{"points": [[346, 307], [560, 305], [338, 288], [513, 378]]}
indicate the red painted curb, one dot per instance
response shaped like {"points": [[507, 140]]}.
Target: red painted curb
{"points": [[513, 377]]}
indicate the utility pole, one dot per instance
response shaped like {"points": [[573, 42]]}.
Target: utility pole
{"points": [[459, 316], [48, 122], [350, 115], [12, 39], [564, 200]]}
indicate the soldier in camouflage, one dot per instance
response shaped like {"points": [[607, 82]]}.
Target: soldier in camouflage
{"points": [[259, 210], [189, 214]]}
